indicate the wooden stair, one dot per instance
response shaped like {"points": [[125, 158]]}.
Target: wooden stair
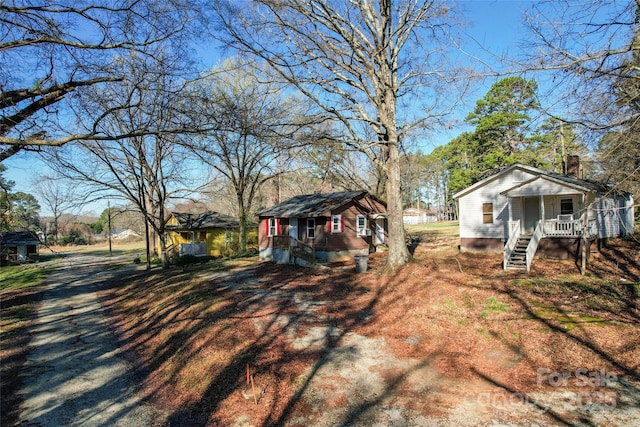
{"points": [[518, 259], [304, 253]]}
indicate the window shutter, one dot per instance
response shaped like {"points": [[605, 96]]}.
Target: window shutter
{"points": [[341, 224], [278, 230], [266, 228]]}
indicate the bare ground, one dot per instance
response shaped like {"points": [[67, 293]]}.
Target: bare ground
{"points": [[451, 339]]}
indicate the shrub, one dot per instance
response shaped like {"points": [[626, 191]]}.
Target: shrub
{"points": [[185, 261]]}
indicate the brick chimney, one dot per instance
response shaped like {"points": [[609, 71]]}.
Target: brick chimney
{"points": [[572, 167]]}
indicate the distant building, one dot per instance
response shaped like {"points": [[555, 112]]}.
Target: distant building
{"points": [[19, 247], [419, 216]]}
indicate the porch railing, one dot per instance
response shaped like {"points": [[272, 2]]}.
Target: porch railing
{"points": [[514, 233], [197, 249], [296, 248], [573, 228], [302, 250], [532, 247]]}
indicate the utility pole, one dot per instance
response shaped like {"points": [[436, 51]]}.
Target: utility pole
{"points": [[562, 152], [109, 224]]}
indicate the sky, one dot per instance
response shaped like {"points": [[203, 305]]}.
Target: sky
{"points": [[495, 24]]}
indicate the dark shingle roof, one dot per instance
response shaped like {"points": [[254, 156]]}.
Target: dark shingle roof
{"points": [[310, 205], [209, 219], [589, 185], [19, 238]]}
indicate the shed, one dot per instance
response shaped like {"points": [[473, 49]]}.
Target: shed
{"points": [[19, 247]]}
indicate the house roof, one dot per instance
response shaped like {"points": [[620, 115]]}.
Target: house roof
{"points": [[497, 175], [209, 219], [19, 238], [314, 205], [552, 177], [552, 185]]}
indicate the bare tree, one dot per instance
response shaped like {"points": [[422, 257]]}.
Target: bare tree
{"points": [[374, 65], [252, 127], [49, 50], [146, 168], [57, 195], [593, 50], [587, 45]]}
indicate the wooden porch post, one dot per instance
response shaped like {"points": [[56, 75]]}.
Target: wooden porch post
{"points": [[509, 200], [584, 235], [542, 212]]}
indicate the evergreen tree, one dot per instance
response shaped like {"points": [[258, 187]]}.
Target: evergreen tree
{"points": [[503, 123]]}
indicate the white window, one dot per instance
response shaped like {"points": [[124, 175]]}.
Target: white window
{"points": [[361, 224], [273, 226], [566, 206], [336, 224], [311, 228]]}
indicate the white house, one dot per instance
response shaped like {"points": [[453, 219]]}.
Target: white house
{"points": [[522, 210]]}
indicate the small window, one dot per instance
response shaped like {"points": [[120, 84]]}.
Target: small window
{"points": [[487, 213], [273, 226], [361, 224], [336, 224], [566, 206], [311, 228]]}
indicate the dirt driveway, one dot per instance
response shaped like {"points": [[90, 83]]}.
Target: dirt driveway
{"points": [[76, 375]]}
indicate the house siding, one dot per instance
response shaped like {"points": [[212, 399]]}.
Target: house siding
{"points": [[470, 207], [329, 245], [215, 238], [614, 216]]}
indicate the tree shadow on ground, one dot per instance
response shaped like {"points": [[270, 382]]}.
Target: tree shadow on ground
{"points": [[259, 311], [17, 306], [255, 309]]}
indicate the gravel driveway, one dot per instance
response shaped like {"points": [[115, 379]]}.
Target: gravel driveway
{"points": [[75, 374]]}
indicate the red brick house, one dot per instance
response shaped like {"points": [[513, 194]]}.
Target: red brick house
{"points": [[327, 227]]}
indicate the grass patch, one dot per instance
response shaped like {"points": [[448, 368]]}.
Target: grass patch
{"points": [[568, 320], [493, 305], [16, 277], [448, 228]]}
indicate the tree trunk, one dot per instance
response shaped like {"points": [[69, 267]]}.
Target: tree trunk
{"points": [[398, 252], [242, 220]]}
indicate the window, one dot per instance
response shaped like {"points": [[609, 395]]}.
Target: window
{"points": [[566, 206], [336, 224], [273, 227], [311, 228], [487, 213], [361, 224]]}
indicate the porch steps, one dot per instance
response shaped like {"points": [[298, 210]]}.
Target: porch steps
{"points": [[518, 259]]}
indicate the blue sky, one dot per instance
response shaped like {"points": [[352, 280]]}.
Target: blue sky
{"points": [[496, 24]]}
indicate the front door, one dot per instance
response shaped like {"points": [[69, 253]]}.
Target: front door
{"points": [[379, 231], [531, 214], [293, 228]]}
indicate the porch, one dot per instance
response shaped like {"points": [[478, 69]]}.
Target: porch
{"points": [[521, 247], [562, 217], [196, 249]]}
